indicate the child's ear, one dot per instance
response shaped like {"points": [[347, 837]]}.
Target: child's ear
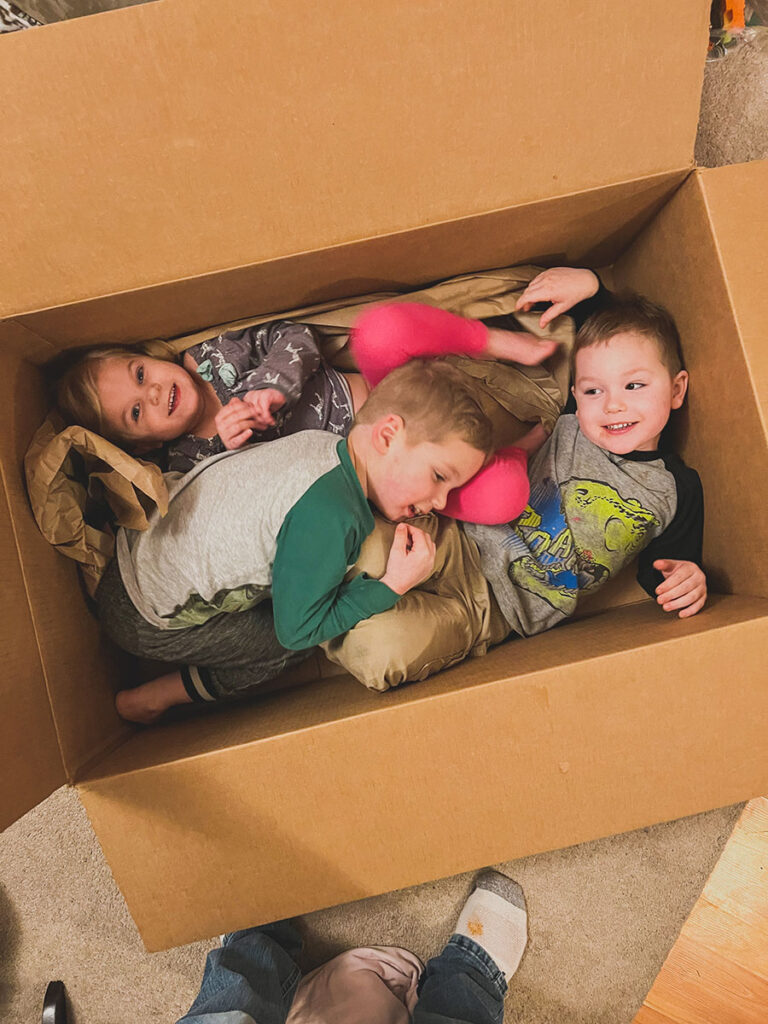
{"points": [[385, 431], [679, 388]]}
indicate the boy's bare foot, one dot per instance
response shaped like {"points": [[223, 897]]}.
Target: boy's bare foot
{"points": [[518, 347], [146, 703]]}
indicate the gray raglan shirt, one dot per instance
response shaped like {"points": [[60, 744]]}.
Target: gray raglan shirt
{"points": [[285, 519], [590, 513]]}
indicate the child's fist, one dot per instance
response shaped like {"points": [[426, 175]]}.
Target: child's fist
{"points": [[563, 287], [684, 588], [264, 403], [234, 423], [411, 559]]}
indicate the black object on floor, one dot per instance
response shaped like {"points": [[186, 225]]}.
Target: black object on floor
{"points": [[55, 1004]]}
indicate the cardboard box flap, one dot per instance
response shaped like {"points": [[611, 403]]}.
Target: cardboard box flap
{"points": [[736, 199], [502, 765], [30, 759], [138, 150]]}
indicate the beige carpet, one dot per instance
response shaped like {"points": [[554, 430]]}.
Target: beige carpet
{"points": [[602, 918]]}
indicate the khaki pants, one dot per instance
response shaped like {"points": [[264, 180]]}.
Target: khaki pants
{"points": [[450, 617]]}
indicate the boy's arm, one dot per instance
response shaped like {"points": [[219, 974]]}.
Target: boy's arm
{"points": [[318, 541], [669, 568], [310, 600]]}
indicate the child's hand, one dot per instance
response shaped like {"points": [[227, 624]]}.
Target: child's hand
{"points": [[235, 423], [264, 403], [517, 347], [411, 559], [684, 586], [563, 287]]}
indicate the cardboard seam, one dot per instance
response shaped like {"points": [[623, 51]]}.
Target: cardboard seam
{"points": [[33, 619], [528, 677], [91, 763], [732, 305], [35, 334], [657, 175]]}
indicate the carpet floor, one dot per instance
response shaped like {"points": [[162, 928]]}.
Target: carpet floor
{"points": [[602, 918]]}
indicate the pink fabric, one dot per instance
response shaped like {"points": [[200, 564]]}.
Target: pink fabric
{"points": [[497, 494], [370, 985], [388, 336]]}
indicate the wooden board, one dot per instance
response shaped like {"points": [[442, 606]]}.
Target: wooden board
{"points": [[717, 970]]}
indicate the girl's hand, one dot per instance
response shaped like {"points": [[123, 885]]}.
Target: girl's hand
{"points": [[563, 287], [411, 559], [264, 403], [684, 588], [235, 424]]}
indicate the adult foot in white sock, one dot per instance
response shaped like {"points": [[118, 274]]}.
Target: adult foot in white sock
{"points": [[495, 918]]}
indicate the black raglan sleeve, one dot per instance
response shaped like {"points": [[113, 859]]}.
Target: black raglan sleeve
{"points": [[683, 538], [584, 309]]}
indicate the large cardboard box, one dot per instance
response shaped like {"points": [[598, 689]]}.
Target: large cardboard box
{"points": [[162, 173]]}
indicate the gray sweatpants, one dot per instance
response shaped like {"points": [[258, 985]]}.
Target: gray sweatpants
{"points": [[225, 657]]}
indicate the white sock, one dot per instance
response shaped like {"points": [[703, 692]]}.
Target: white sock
{"points": [[495, 918]]}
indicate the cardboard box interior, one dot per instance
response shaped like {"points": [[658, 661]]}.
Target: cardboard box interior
{"points": [[139, 191], [579, 723]]}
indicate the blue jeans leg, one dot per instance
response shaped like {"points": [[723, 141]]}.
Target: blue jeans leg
{"points": [[254, 973], [462, 985]]}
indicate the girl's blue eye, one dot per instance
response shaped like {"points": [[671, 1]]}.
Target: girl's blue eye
{"points": [[135, 414], [140, 374]]}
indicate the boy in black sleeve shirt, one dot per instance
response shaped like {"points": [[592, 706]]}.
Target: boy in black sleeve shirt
{"points": [[601, 491]]}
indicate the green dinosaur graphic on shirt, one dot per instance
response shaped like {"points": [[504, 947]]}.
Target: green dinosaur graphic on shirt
{"points": [[595, 534]]}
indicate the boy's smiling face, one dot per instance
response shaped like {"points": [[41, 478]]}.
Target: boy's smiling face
{"points": [[147, 401], [414, 479], [624, 393]]}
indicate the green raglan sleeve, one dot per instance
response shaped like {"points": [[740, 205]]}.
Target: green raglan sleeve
{"points": [[322, 535]]}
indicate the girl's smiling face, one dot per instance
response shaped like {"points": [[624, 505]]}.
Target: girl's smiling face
{"points": [[624, 393], [147, 401]]}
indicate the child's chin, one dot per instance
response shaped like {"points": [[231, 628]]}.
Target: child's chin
{"points": [[621, 444]]}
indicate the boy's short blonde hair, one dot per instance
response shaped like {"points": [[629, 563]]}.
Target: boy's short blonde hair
{"points": [[434, 401], [632, 312]]}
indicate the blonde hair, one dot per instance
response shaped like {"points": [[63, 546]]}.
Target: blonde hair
{"points": [[77, 392], [434, 401]]}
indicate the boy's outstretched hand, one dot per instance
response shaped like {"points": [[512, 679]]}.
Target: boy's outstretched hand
{"points": [[411, 559], [563, 287], [684, 588]]}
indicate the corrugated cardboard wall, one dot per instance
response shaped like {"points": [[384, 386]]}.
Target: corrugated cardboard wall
{"points": [[178, 138], [677, 261]]}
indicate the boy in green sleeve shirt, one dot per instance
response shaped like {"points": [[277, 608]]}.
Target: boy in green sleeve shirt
{"points": [[286, 520]]}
